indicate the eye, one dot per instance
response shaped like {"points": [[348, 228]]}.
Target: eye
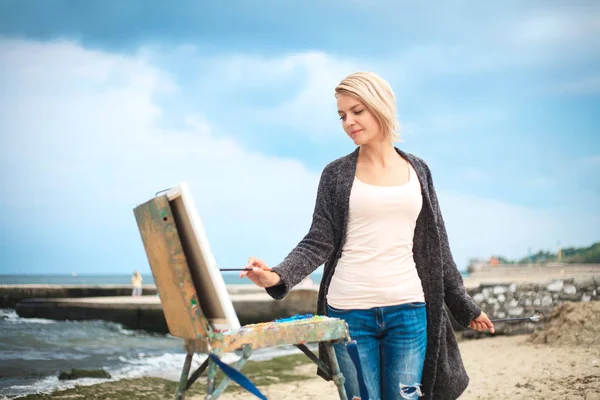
{"points": [[343, 117], [358, 112]]}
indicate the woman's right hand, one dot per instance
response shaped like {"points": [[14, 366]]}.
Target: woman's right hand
{"points": [[261, 274]]}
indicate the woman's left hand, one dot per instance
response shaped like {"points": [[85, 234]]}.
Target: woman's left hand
{"points": [[482, 323]]}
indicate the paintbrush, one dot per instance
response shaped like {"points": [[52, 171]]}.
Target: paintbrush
{"points": [[235, 269], [534, 318]]}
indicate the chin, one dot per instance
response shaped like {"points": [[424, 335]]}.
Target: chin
{"points": [[359, 141]]}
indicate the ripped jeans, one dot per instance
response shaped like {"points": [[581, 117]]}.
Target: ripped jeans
{"points": [[391, 344]]}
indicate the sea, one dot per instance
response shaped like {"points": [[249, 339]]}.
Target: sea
{"points": [[34, 351]]}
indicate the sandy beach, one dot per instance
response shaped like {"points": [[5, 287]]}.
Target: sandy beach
{"points": [[499, 367], [560, 361]]}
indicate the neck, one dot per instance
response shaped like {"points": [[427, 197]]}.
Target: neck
{"points": [[381, 153]]}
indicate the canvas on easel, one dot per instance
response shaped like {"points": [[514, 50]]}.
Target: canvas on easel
{"points": [[208, 281], [198, 308]]}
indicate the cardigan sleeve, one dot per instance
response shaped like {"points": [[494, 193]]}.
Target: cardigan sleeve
{"points": [[461, 305], [317, 245]]}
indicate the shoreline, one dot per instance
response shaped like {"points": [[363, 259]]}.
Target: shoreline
{"points": [[499, 368]]}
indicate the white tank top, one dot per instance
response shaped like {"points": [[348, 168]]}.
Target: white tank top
{"points": [[377, 268]]}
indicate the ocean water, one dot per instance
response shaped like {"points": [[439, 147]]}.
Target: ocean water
{"points": [[121, 279], [33, 351]]}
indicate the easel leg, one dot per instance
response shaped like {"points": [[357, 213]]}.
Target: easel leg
{"points": [[196, 374], [182, 387], [247, 352], [212, 379], [336, 374]]}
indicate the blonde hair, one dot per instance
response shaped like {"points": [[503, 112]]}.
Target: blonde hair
{"points": [[377, 95]]}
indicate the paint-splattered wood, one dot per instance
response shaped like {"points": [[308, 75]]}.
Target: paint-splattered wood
{"points": [[274, 334], [170, 269]]}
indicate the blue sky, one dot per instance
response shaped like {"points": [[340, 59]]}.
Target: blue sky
{"points": [[103, 103]]}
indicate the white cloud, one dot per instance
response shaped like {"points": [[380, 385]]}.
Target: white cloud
{"points": [[282, 92], [313, 109], [302, 83], [82, 138], [478, 42], [83, 142]]}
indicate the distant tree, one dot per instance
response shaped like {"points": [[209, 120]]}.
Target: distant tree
{"points": [[574, 255], [584, 255], [539, 257]]}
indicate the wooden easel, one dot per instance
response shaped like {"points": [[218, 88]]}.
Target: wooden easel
{"points": [[195, 314]]}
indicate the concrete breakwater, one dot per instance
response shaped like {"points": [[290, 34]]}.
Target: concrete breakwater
{"points": [[486, 273], [10, 295], [145, 312]]}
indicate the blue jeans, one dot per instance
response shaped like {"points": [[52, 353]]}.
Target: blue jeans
{"points": [[391, 344]]}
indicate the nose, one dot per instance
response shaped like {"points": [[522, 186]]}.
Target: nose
{"points": [[350, 121]]}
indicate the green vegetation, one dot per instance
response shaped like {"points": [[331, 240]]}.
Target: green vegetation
{"points": [[261, 373], [83, 373], [574, 255], [582, 255], [540, 257]]}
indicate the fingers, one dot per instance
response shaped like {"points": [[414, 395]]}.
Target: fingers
{"points": [[257, 262], [475, 326], [252, 261], [486, 323], [257, 272], [482, 323], [255, 278], [489, 325], [266, 277], [260, 273]]}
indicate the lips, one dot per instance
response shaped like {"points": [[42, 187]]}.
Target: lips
{"points": [[354, 132]]}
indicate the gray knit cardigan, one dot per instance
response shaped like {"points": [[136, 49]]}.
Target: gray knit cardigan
{"points": [[444, 375]]}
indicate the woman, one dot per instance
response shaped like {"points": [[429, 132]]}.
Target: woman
{"points": [[388, 272]]}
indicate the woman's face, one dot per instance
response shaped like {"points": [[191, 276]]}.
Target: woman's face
{"points": [[358, 122]]}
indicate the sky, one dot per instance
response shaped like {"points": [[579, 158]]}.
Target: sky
{"points": [[105, 103]]}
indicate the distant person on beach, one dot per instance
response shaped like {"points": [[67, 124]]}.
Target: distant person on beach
{"points": [[136, 283], [377, 226]]}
